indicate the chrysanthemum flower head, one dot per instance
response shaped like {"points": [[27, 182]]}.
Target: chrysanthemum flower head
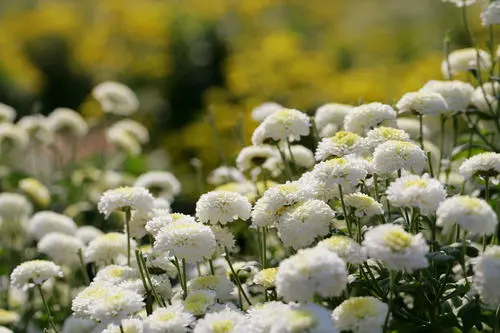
{"points": [[131, 325], [484, 97], [329, 118], [67, 121], [472, 214], [61, 248], [34, 272], [173, 318], [361, 315], [199, 301], [363, 204], [12, 138], [491, 14], [484, 165], [300, 224], [161, 183], [339, 171], [123, 140], [38, 129], [381, 134], [191, 241], [395, 155], [457, 94], [87, 233], [108, 248], [45, 222], [423, 103], [302, 156], [35, 190], [421, 192], [7, 113], [254, 158], [286, 124], [339, 145], [14, 207], [226, 321], [219, 284], [367, 116], [303, 275], [133, 198], [225, 174], [266, 278], [308, 317], [463, 60], [116, 98], [345, 247], [486, 272], [396, 248], [222, 207]]}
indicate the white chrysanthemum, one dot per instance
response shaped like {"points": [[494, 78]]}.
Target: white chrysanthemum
{"points": [[87, 233], [262, 317], [186, 240], [310, 317], [382, 134], [161, 183], [115, 274], [329, 118], [38, 129], [78, 325], [107, 303], [224, 239], [108, 248], [34, 272], [367, 116], [463, 60], [267, 208], [198, 302], [266, 278], [457, 94], [34, 189], [135, 198], [225, 174], [302, 156], [321, 189], [172, 319], [339, 171], [471, 214], [13, 137], [222, 207], [421, 192], [299, 225], [67, 121], [395, 155], [360, 315], [139, 220], [61, 248], [484, 97], [461, 3], [123, 140], [261, 112], [157, 260], [423, 103], [363, 205], [484, 164], [396, 248], [131, 325], [7, 113], [346, 248], [4, 329], [134, 129], [116, 98], [227, 321], [486, 273], [14, 207], [219, 284], [253, 158], [286, 124], [314, 271], [491, 14], [45, 222], [342, 143], [154, 225]]}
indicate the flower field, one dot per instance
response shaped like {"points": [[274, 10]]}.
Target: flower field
{"points": [[369, 217]]}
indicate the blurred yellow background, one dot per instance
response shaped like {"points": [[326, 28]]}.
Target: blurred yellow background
{"points": [[187, 57]]}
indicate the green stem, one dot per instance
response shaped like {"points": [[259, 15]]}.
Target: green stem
{"points": [[144, 271], [441, 145], [143, 279], [429, 164], [121, 329], [392, 296], [236, 277], [264, 247], [375, 186], [128, 215], [344, 210], [181, 277], [85, 274], [388, 203], [421, 131], [211, 264], [496, 327], [184, 277], [47, 309]]}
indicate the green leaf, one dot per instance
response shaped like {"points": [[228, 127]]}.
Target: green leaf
{"points": [[462, 151], [470, 314], [440, 256]]}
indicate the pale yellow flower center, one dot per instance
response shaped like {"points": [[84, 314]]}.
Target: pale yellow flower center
{"points": [[359, 308], [167, 316], [345, 138], [421, 183], [223, 326], [398, 240], [301, 321]]}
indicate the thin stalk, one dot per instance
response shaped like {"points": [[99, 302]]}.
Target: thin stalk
{"points": [[487, 198], [388, 204], [464, 254], [288, 170], [429, 164], [142, 263], [344, 210], [375, 186], [441, 145], [85, 274], [421, 131], [139, 266], [184, 277], [496, 327], [181, 276], [47, 309], [211, 264], [128, 215], [121, 329], [236, 278], [264, 247], [292, 158], [392, 296], [315, 132]]}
